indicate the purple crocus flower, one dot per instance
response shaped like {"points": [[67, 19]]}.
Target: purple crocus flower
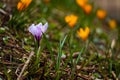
{"points": [[38, 30]]}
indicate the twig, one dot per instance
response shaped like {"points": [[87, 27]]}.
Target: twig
{"points": [[85, 77], [16, 72], [25, 66], [114, 75], [2, 11]]}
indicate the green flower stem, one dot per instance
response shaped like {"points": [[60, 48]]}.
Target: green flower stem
{"points": [[37, 55]]}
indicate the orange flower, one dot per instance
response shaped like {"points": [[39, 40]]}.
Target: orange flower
{"points": [[83, 33], [88, 8], [112, 23], [23, 4], [81, 3], [71, 20], [101, 14]]}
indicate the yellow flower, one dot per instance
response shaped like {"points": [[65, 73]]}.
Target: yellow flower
{"points": [[83, 33], [23, 4], [87, 8], [101, 14], [112, 23], [71, 20], [81, 3]]}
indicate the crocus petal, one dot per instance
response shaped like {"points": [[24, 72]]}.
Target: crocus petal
{"points": [[44, 27], [32, 29], [38, 37], [22, 4], [39, 25], [38, 33]]}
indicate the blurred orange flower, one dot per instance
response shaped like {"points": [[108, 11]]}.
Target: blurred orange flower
{"points": [[71, 20], [81, 3], [83, 34], [87, 8], [112, 23], [101, 14], [22, 4]]}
